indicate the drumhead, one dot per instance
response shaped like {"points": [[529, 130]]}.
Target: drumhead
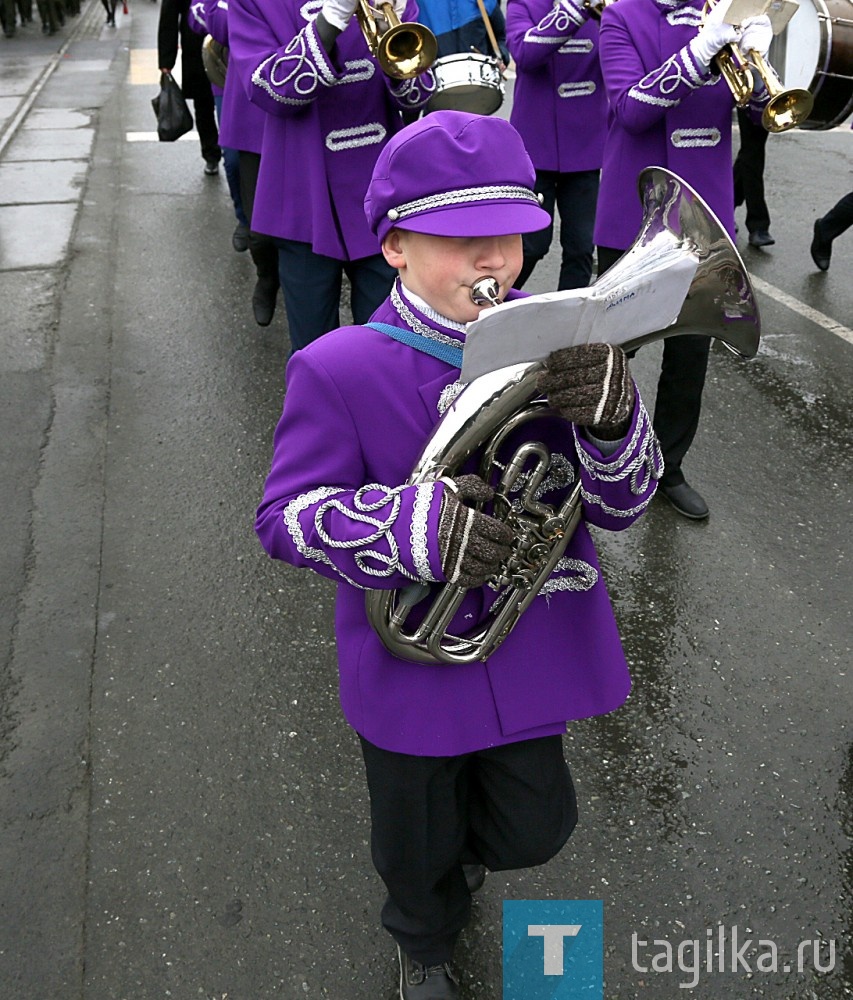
{"points": [[795, 53]]}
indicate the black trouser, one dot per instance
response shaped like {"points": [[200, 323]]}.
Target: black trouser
{"points": [[262, 248], [573, 196], [749, 172], [311, 284], [838, 219], [509, 807], [51, 14], [679, 395]]}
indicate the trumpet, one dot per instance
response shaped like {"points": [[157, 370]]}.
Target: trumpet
{"points": [[404, 49], [786, 108], [720, 303]]}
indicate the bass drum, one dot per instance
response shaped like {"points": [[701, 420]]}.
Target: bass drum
{"points": [[467, 81], [815, 51]]}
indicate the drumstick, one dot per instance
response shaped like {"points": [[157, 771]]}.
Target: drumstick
{"points": [[490, 31]]}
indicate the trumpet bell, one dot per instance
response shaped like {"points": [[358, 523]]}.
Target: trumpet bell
{"points": [[787, 110], [404, 49]]}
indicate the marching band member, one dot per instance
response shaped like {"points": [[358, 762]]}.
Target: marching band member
{"points": [[464, 762], [559, 108], [669, 107], [241, 128], [329, 112]]}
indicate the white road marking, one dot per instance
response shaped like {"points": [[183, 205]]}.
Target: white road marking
{"points": [[812, 315]]}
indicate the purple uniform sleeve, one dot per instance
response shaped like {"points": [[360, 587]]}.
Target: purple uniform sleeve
{"points": [[319, 512], [536, 29], [617, 488]]}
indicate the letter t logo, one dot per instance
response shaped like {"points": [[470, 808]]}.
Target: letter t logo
{"points": [[554, 935]]}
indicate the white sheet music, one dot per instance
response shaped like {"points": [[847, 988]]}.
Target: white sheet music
{"points": [[529, 329], [780, 12]]}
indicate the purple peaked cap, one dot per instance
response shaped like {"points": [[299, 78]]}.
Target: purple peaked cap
{"points": [[455, 174]]}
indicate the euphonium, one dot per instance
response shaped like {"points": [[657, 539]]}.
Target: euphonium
{"points": [[719, 303], [786, 108], [404, 49]]}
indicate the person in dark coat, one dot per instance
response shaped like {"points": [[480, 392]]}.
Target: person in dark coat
{"points": [[174, 27]]}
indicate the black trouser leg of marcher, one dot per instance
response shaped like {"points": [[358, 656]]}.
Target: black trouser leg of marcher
{"points": [[48, 15], [573, 196], [838, 219], [679, 400], [680, 385], [7, 8], [311, 284], [749, 172], [509, 807], [262, 248]]}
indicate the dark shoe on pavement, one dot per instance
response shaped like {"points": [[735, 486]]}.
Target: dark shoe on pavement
{"points": [[761, 238], [211, 167], [426, 982], [686, 501], [475, 876], [240, 238], [263, 302], [821, 248]]}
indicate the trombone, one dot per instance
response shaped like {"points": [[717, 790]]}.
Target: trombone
{"points": [[404, 49], [787, 107]]}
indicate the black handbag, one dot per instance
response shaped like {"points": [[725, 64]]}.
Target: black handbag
{"points": [[170, 107]]}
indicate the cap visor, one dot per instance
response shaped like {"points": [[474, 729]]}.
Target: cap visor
{"points": [[494, 218]]}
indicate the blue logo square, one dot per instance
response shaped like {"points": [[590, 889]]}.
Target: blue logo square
{"points": [[553, 949]]}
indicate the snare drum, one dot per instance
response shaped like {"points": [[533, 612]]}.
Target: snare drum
{"points": [[815, 51], [467, 81]]}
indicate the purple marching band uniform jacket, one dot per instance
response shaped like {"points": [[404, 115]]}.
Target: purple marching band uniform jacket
{"points": [[333, 502], [559, 103], [327, 118], [241, 124], [664, 111]]}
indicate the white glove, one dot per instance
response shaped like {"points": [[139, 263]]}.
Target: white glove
{"points": [[713, 36], [757, 34], [338, 12]]}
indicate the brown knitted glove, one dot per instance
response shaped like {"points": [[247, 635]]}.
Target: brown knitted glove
{"points": [[473, 545], [591, 385]]}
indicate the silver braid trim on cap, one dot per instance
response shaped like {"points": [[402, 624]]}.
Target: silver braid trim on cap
{"points": [[489, 192]]}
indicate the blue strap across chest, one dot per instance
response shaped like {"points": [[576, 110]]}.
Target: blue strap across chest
{"points": [[444, 352]]}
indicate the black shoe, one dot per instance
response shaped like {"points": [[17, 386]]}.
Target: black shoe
{"points": [[263, 302], [761, 238], [211, 167], [686, 501], [240, 238], [821, 249], [426, 982], [475, 876]]}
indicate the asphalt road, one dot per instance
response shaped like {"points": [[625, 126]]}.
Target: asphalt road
{"points": [[182, 808]]}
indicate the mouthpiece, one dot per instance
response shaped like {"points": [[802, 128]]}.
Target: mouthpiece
{"points": [[486, 292]]}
